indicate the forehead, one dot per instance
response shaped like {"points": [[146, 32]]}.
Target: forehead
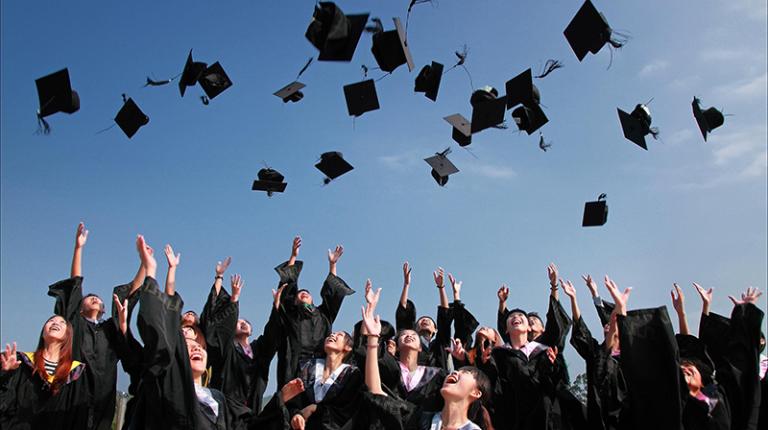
{"points": [[56, 318], [408, 332], [518, 314], [191, 343], [424, 319]]}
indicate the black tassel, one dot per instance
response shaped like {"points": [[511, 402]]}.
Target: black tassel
{"points": [[377, 26], [303, 69], [125, 99], [543, 145], [205, 100], [365, 70], [153, 83], [549, 67], [654, 132], [462, 57], [42, 125]]}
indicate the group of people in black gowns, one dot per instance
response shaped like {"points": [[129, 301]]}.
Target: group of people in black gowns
{"points": [[210, 370]]}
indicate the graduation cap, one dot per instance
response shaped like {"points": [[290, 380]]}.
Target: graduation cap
{"points": [[191, 73], [637, 125], [390, 49], [487, 109], [270, 180], [361, 97], [55, 94], [333, 165], [529, 118], [214, 80], [521, 90], [708, 119], [462, 129], [130, 118], [595, 213], [428, 80], [334, 33], [442, 167], [291, 92], [589, 31]]}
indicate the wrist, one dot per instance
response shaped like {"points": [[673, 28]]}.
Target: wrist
{"points": [[219, 276]]}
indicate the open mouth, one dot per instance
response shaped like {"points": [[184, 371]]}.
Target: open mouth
{"points": [[452, 378], [55, 327], [196, 356]]}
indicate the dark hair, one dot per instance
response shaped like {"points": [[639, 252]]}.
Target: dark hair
{"points": [[483, 383], [427, 317], [61, 374], [199, 336], [101, 308], [478, 413], [197, 317]]}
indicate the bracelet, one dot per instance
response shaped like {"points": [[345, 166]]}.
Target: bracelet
{"points": [[440, 286], [219, 277], [373, 335]]}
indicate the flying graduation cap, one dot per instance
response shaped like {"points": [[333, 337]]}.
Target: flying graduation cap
{"points": [[428, 80], [333, 33], [708, 119], [269, 180], [462, 129], [130, 118], [589, 31], [595, 213], [487, 109], [390, 49], [333, 165], [193, 70], [214, 80], [292, 92], [522, 91], [361, 97], [55, 94], [637, 125], [442, 167]]}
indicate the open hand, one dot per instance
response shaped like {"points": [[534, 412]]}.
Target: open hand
{"points": [[173, 260]]}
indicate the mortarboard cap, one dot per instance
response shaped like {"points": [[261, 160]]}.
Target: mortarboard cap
{"points": [[270, 180], [462, 129], [361, 97], [191, 73], [707, 120], [334, 34], [521, 90], [595, 213], [333, 165], [488, 113], [428, 80], [636, 125], [130, 118], [291, 92], [391, 49], [442, 167], [529, 118], [214, 80], [588, 31], [56, 94]]}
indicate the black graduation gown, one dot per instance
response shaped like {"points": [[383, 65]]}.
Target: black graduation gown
{"points": [[606, 389], [555, 328], [360, 342], [302, 330], [734, 347], [425, 394], [99, 345], [238, 376], [26, 401], [432, 354], [698, 416], [166, 398], [650, 365], [523, 389], [339, 404], [378, 412]]}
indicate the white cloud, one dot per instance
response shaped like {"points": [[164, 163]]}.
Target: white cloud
{"points": [[758, 167], [652, 68], [400, 161], [744, 89], [737, 145], [491, 171]]}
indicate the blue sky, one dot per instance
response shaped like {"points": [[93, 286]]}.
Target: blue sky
{"points": [[683, 211]]}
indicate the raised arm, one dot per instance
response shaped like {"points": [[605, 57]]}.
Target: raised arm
{"points": [[122, 313], [621, 300], [571, 293], [221, 268], [334, 288], [553, 277], [333, 258], [706, 298], [77, 257], [294, 250], [679, 305], [464, 323], [373, 327], [173, 262], [604, 309], [406, 285], [501, 315], [439, 276]]}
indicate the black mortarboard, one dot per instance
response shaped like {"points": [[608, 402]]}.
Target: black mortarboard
{"points": [[529, 118], [595, 213], [130, 118], [428, 80], [588, 31], [637, 125], [488, 113], [333, 165], [521, 90], [214, 80], [361, 97], [56, 94], [391, 49], [191, 73], [442, 167], [693, 350], [462, 129], [707, 120], [270, 180], [291, 92], [333, 33]]}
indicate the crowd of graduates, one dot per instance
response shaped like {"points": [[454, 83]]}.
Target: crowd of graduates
{"points": [[210, 371]]}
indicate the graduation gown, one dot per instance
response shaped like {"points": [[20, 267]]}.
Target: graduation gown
{"points": [[360, 342], [301, 330], [606, 389], [100, 345], [555, 328], [379, 412], [734, 347], [166, 398], [426, 393], [432, 351], [26, 401]]}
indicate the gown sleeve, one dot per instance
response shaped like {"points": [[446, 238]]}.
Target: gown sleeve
{"points": [[405, 317], [557, 326], [464, 323], [333, 293]]}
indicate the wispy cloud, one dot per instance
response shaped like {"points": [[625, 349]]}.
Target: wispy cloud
{"points": [[737, 145], [491, 171], [723, 54], [653, 68], [753, 9], [400, 161], [744, 89], [679, 136]]}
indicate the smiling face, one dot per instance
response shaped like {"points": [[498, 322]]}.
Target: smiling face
{"points": [[338, 342], [304, 297], [243, 328], [92, 306], [408, 339], [198, 358], [55, 329], [692, 376], [517, 322], [537, 327], [460, 385], [189, 317], [426, 326]]}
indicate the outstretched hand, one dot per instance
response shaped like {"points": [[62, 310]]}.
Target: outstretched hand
{"points": [[439, 276], [552, 274], [456, 286], [406, 274], [591, 284], [276, 295], [619, 298], [552, 354], [173, 259], [371, 297], [457, 350], [503, 293], [292, 389], [82, 236], [295, 246], [749, 296], [8, 359], [372, 323], [335, 255], [122, 313], [236, 283], [678, 302], [147, 256], [568, 289], [222, 266]]}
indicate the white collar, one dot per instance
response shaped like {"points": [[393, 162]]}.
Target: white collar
{"points": [[321, 387]]}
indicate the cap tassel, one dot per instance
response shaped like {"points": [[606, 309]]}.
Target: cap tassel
{"points": [[377, 26], [549, 67], [153, 83], [304, 69], [542, 144], [42, 125], [206, 101], [462, 57], [408, 15]]}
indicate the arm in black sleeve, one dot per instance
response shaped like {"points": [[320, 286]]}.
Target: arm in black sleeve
{"points": [[333, 292], [557, 325], [159, 323], [405, 317], [464, 323], [68, 294], [501, 324], [582, 340]]}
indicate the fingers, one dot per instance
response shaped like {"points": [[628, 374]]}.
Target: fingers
{"points": [[733, 299]]}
